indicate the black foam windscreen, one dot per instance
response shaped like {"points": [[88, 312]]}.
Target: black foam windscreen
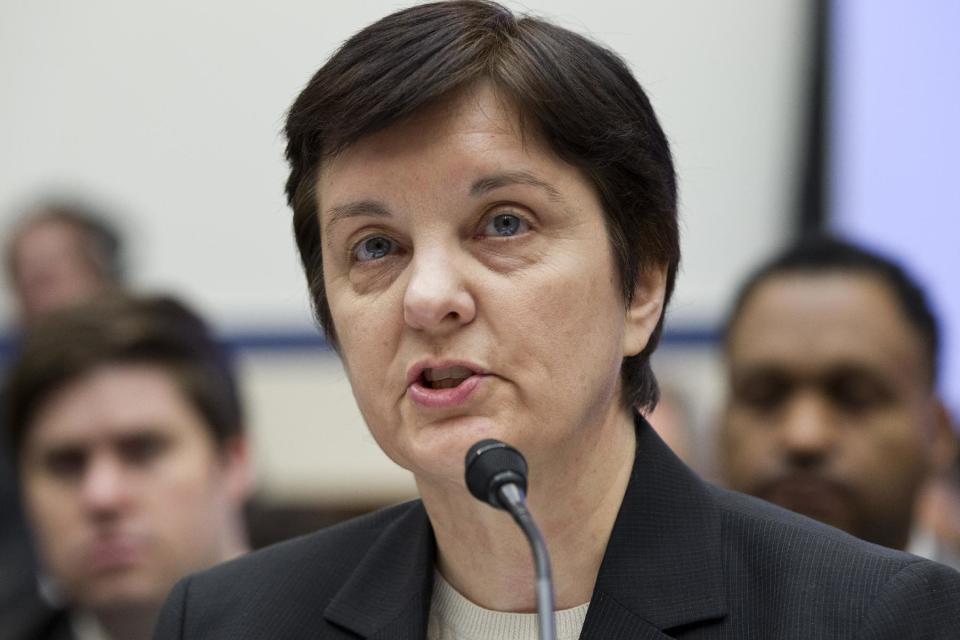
{"points": [[489, 465]]}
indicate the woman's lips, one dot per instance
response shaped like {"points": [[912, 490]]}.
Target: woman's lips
{"points": [[447, 398]]}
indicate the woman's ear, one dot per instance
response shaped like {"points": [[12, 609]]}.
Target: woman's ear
{"points": [[644, 311]]}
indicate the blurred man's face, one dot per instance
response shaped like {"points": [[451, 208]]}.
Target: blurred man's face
{"points": [[125, 488], [51, 269], [830, 411]]}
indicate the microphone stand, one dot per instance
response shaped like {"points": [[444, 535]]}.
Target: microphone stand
{"points": [[512, 497], [496, 474]]}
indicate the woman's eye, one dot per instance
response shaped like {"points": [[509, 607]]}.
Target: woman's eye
{"points": [[505, 224], [373, 248]]}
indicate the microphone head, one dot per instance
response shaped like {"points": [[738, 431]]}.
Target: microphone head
{"points": [[490, 464]]}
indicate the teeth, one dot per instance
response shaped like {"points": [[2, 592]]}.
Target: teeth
{"points": [[454, 374]]}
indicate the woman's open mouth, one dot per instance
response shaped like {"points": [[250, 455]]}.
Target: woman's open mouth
{"points": [[444, 377], [443, 387]]}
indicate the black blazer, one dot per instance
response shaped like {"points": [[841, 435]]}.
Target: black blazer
{"points": [[685, 560]]}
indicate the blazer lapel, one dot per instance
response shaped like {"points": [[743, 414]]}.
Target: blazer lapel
{"points": [[607, 619], [388, 594], [662, 567]]}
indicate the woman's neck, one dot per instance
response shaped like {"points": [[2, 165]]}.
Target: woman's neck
{"points": [[575, 497]]}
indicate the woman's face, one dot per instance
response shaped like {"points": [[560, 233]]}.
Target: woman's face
{"points": [[474, 291]]}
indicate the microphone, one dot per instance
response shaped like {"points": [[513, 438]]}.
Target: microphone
{"points": [[496, 473]]}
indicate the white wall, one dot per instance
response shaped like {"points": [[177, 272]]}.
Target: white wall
{"points": [[171, 112]]}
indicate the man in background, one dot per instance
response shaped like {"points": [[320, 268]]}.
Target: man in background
{"points": [[832, 356], [57, 253], [125, 421]]}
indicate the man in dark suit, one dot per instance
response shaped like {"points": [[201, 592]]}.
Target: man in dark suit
{"points": [[125, 420], [56, 254], [833, 409], [485, 207], [16, 556]]}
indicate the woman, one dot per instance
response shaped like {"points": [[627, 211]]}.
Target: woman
{"points": [[485, 208]]}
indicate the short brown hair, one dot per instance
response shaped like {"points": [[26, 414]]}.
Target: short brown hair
{"points": [[578, 96], [122, 329]]}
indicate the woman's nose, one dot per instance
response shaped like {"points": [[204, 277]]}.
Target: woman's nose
{"points": [[437, 296]]}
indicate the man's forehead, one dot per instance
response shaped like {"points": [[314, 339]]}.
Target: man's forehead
{"points": [[111, 403], [45, 232], [819, 321]]}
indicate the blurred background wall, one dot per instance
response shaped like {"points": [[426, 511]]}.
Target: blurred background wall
{"points": [[169, 116]]}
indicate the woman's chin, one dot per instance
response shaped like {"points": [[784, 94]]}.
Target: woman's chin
{"points": [[440, 459]]}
